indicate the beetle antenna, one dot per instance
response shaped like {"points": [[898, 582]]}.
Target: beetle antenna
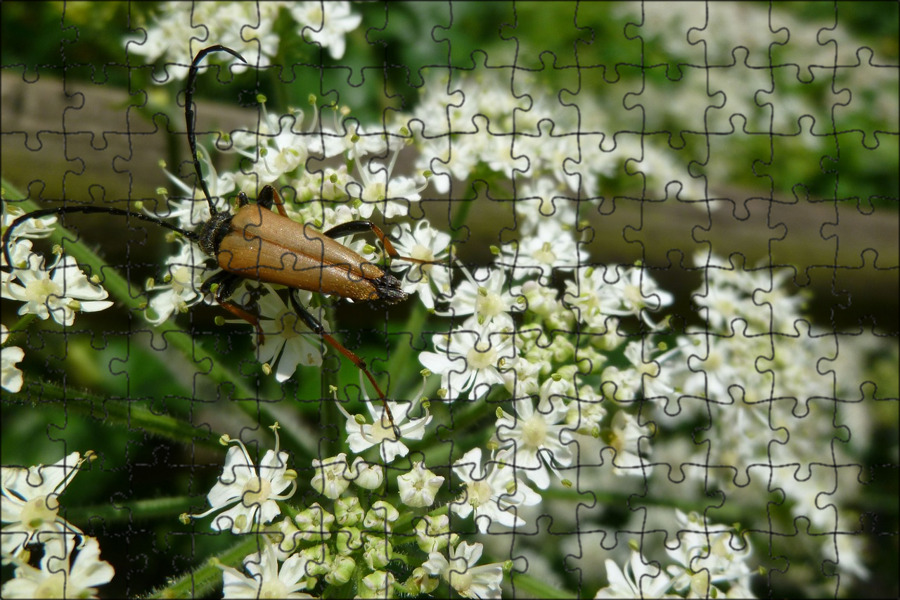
{"points": [[189, 113], [66, 210]]}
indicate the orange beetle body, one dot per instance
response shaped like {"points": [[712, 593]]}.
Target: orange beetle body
{"points": [[262, 245]]}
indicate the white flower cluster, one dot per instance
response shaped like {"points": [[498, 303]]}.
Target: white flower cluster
{"points": [[747, 371], [70, 566], [346, 537], [551, 151], [710, 561], [181, 28]]}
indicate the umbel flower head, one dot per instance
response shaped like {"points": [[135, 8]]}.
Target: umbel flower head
{"points": [[251, 492]]}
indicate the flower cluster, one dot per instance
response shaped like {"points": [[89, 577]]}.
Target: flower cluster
{"points": [[754, 352], [347, 536], [709, 561], [70, 566], [324, 24]]}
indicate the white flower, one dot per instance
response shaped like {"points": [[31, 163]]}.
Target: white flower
{"points": [[424, 243], [63, 573], [627, 437], [10, 355], [19, 253], [368, 476], [58, 291], [377, 584], [433, 533], [460, 572], [378, 189], [470, 359], [331, 478], [314, 523], [361, 436], [486, 295], [277, 147], [638, 580], [30, 228], [419, 486], [254, 491], [632, 292], [540, 249], [381, 516], [535, 439], [181, 288], [706, 557], [175, 32], [288, 342], [491, 494], [267, 579], [326, 23], [30, 503]]}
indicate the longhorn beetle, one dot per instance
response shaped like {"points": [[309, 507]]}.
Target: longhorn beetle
{"points": [[258, 244]]}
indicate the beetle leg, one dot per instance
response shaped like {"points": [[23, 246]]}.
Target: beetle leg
{"points": [[226, 284], [316, 326], [268, 197], [351, 227]]}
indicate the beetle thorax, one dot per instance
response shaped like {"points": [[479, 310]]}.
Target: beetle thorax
{"points": [[211, 233]]}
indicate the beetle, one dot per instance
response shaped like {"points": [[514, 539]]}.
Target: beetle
{"points": [[259, 242]]}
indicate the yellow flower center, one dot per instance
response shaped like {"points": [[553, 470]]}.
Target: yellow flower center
{"points": [[256, 491], [39, 290], [481, 356], [54, 586], [534, 431], [479, 493], [488, 304], [38, 511], [545, 255]]}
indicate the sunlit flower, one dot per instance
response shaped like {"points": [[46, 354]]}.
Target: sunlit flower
{"points": [[10, 356], [424, 243], [535, 439], [252, 491], [639, 579], [461, 572], [287, 341], [362, 436], [65, 572], [492, 493], [331, 478], [470, 359], [58, 291], [326, 23], [486, 295], [30, 503], [266, 578], [418, 486]]}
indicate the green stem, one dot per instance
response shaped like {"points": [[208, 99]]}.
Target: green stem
{"points": [[403, 354], [153, 508], [534, 587], [113, 412], [205, 578]]}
